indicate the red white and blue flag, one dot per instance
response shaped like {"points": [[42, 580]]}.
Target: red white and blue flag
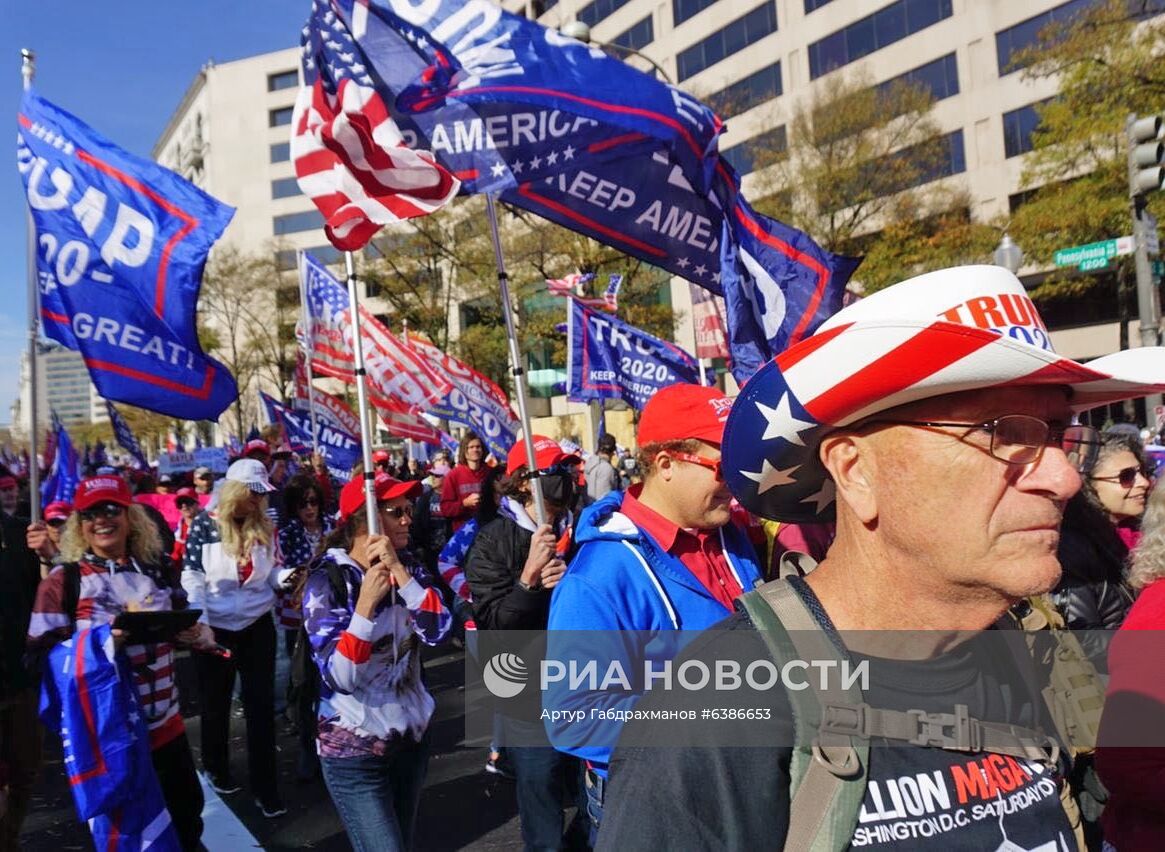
{"points": [[350, 158]]}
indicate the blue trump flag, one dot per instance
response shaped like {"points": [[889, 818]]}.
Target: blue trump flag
{"points": [[125, 436], [65, 472], [598, 147], [121, 243], [340, 449], [610, 359]]}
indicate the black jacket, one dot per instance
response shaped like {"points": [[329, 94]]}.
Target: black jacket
{"points": [[1091, 595], [19, 577], [492, 568]]}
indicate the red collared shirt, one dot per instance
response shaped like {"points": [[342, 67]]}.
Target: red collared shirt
{"points": [[698, 550]]}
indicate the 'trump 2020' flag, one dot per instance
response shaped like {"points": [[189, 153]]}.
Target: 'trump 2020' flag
{"points": [[339, 448], [350, 158], [474, 401], [394, 371], [125, 436], [121, 243], [610, 359]]}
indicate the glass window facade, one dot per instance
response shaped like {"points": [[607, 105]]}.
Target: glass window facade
{"points": [[279, 117], [637, 35], [681, 10], [282, 80], [940, 77], [281, 152], [290, 223], [326, 254], [743, 157], [889, 24], [738, 35], [1018, 126], [814, 5], [284, 188], [744, 94], [596, 11]]}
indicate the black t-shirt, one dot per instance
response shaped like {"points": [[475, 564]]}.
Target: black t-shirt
{"points": [[666, 793]]}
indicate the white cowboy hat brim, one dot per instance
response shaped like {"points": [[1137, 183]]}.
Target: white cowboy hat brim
{"points": [[852, 371]]}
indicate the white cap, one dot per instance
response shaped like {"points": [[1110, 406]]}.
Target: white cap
{"points": [[252, 473]]}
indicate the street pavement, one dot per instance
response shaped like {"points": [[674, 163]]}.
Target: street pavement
{"points": [[462, 807]]}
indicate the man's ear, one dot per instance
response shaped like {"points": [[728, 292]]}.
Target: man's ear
{"points": [[849, 459], [664, 466]]}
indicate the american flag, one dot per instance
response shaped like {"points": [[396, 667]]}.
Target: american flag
{"points": [[394, 370], [350, 157], [570, 285], [405, 421], [574, 286]]}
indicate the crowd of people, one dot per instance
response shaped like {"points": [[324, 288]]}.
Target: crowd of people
{"points": [[956, 505]]}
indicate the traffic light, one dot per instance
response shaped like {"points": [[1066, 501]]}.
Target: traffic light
{"points": [[1146, 154]]}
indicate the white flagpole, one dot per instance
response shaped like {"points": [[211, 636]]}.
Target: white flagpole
{"points": [[27, 69], [703, 379], [308, 330], [516, 369], [362, 399], [569, 344]]}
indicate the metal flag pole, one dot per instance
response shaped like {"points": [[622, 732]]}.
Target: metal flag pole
{"points": [[27, 70], [515, 361], [362, 400], [311, 348]]}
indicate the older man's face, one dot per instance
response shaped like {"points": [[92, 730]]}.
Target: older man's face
{"points": [[8, 499], [968, 522]]}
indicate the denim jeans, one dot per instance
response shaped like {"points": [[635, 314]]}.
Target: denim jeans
{"points": [[596, 790], [377, 797]]}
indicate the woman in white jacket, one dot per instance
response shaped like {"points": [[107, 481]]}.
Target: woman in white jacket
{"points": [[231, 572]]}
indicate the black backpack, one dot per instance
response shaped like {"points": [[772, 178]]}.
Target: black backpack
{"points": [[304, 681]]}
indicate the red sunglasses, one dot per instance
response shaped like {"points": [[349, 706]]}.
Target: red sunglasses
{"points": [[713, 466]]}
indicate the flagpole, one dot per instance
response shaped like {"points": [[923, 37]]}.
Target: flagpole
{"points": [[362, 400], [311, 347], [516, 370], [27, 69]]}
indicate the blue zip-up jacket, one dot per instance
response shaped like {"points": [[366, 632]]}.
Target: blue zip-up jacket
{"points": [[623, 583]]}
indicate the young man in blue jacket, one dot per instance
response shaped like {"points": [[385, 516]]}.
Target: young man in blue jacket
{"points": [[662, 556]]}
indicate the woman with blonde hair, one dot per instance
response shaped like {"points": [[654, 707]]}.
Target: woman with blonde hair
{"points": [[113, 562], [231, 571]]}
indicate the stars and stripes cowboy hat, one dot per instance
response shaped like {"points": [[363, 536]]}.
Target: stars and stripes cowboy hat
{"points": [[958, 329]]}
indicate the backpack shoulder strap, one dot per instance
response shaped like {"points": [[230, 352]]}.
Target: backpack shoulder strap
{"points": [[71, 594], [828, 771]]}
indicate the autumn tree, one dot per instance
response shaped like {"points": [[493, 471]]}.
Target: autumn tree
{"points": [[858, 171], [1107, 62]]}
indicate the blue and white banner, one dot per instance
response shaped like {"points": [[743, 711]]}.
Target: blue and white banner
{"points": [[121, 243], [125, 436], [65, 472], [340, 449], [596, 146], [610, 359]]}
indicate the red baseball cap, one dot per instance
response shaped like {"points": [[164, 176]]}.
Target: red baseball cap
{"points": [[379, 456], [185, 495], [7, 481], [547, 453], [257, 446], [58, 510], [682, 411], [386, 487], [102, 489]]}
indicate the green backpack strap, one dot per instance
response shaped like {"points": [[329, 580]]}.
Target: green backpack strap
{"points": [[828, 771]]}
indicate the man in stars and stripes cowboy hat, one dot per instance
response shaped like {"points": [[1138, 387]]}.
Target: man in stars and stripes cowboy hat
{"points": [[935, 424]]}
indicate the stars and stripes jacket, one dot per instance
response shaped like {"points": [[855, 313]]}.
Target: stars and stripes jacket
{"points": [[296, 545], [109, 588], [369, 691]]}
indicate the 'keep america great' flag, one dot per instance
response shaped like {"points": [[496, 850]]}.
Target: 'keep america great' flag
{"points": [[121, 243]]}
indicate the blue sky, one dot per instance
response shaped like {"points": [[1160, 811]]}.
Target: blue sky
{"points": [[122, 68]]}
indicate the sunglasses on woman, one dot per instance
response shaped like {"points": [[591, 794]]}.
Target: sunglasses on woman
{"points": [[1126, 477], [105, 510], [398, 512], [311, 501]]}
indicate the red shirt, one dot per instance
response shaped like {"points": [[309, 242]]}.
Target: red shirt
{"points": [[698, 550], [460, 483]]}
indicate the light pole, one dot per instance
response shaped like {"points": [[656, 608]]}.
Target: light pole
{"points": [[1008, 254], [581, 32]]}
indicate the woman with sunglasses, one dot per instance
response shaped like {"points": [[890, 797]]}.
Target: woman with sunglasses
{"points": [[301, 539], [1101, 525], [367, 604], [231, 572], [114, 562]]}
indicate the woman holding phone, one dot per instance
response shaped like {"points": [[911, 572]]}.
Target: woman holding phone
{"points": [[366, 605]]}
